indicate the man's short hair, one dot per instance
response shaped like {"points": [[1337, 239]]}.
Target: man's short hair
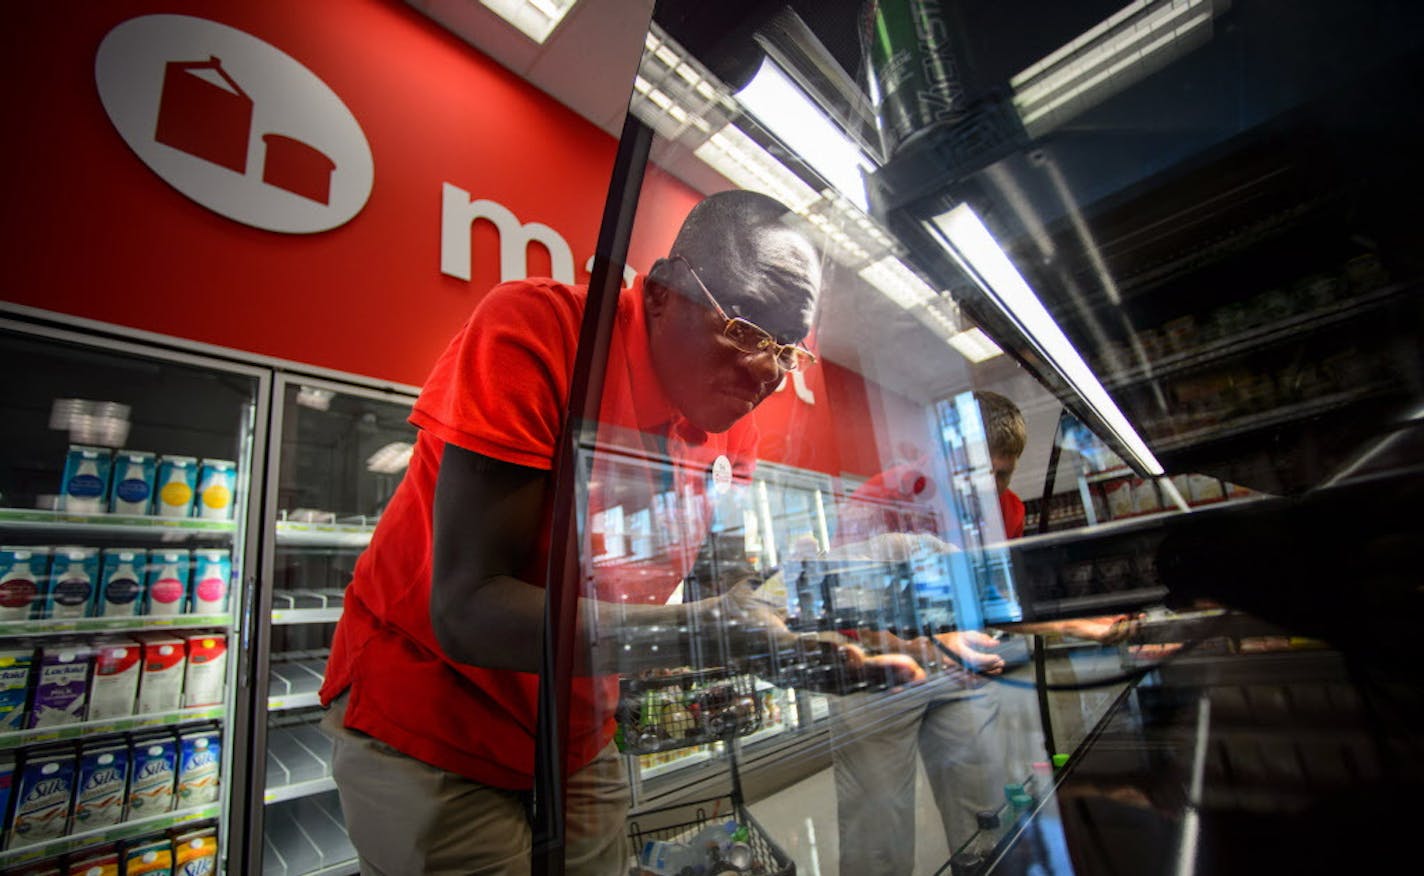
{"points": [[1003, 424], [721, 218]]}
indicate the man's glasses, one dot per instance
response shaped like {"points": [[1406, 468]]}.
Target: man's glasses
{"points": [[749, 337]]}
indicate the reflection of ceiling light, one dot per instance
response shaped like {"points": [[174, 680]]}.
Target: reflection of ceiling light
{"points": [[740, 159], [390, 459], [315, 398], [103, 423], [975, 346], [787, 112], [1136, 40], [900, 284], [966, 239], [536, 19]]}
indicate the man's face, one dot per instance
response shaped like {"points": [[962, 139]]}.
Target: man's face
{"points": [[772, 279], [1003, 469]]}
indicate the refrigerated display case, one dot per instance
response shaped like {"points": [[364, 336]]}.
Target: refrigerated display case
{"points": [[1190, 223], [126, 475], [341, 450]]}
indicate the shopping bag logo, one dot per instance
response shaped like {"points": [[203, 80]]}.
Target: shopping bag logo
{"points": [[234, 123]]}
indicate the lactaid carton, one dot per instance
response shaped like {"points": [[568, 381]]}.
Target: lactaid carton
{"points": [[177, 481], [160, 686], [166, 581], [212, 570], [113, 689], [44, 797], [207, 669], [217, 487], [151, 857], [16, 664], [134, 474], [120, 590], [24, 577], [73, 572], [86, 480], [154, 771], [103, 861], [102, 785], [196, 853], [61, 685], [199, 764]]}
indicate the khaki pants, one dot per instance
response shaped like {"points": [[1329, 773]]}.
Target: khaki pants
{"points": [[408, 818]]}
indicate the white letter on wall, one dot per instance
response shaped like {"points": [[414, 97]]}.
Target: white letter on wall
{"points": [[458, 213]]}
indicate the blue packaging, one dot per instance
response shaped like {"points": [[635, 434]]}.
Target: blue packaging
{"points": [[217, 487], [120, 590], [24, 578], [15, 667], [166, 582], [134, 474], [85, 486], [199, 767], [43, 798], [7, 783], [154, 770], [175, 485], [102, 785], [73, 578], [212, 572]]}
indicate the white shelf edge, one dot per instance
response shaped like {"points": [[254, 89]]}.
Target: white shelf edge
{"points": [[296, 790], [136, 623], [134, 827], [287, 616], [293, 701], [40, 735]]}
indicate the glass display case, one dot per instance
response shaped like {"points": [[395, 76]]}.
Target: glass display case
{"points": [[341, 453], [127, 518], [1179, 236]]}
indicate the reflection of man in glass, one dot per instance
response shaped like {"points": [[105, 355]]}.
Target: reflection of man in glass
{"points": [[431, 679]]}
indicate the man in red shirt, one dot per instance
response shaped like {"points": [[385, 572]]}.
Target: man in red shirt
{"points": [[432, 677]]}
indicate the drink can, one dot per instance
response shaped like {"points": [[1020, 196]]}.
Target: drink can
{"points": [[120, 590], [217, 485], [72, 576], [166, 582], [24, 578], [86, 480], [212, 572], [177, 479], [134, 473], [916, 62]]}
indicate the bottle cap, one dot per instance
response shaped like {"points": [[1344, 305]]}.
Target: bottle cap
{"points": [[1059, 760], [988, 819]]}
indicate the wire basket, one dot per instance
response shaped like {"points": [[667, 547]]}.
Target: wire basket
{"points": [[659, 712], [672, 849]]}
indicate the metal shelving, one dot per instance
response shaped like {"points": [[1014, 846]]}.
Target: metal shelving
{"points": [[98, 836]]}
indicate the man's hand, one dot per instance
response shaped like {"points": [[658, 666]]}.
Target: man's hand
{"points": [[974, 649], [899, 669]]}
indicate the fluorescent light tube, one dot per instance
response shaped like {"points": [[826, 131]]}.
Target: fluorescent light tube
{"points": [[975, 346], [900, 284], [740, 159], [787, 112], [974, 248], [535, 19], [391, 458]]}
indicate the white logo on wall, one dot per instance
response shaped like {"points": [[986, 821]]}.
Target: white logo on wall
{"points": [[234, 123]]}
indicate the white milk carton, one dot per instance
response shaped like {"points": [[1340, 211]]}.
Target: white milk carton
{"points": [[199, 765], [160, 686], [73, 572], [44, 798], [86, 480], [61, 685], [133, 479], [24, 578], [217, 487], [207, 670], [212, 570], [154, 770], [120, 590], [102, 784], [113, 690], [166, 582], [177, 480]]}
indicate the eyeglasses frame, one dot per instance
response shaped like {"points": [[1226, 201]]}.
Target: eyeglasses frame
{"points": [[768, 343]]}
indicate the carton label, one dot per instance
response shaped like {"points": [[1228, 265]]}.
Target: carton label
{"points": [[197, 856], [199, 764], [154, 857], [155, 766], [161, 686], [42, 811], [207, 670], [103, 779], [61, 690], [114, 689], [15, 667]]}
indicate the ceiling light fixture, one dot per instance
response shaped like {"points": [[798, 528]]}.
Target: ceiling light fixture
{"points": [[392, 458], [535, 19], [975, 346], [964, 236]]}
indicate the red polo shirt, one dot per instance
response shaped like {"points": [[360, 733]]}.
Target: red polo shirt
{"points": [[500, 390]]}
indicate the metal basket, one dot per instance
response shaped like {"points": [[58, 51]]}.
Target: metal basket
{"points": [[660, 712], [761, 856]]}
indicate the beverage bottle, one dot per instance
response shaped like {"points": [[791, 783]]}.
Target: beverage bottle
{"points": [[978, 853]]}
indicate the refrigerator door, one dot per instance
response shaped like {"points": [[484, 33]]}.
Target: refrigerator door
{"points": [[126, 505], [341, 452]]}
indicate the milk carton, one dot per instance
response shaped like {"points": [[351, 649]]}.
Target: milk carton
{"points": [[177, 479], [120, 590], [7, 784], [16, 664], [73, 572], [207, 669], [149, 857], [61, 685], [196, 853], [217, 487], [134, 474], [199, 765], [86, 480], [102, 785], [43, 798], [103, 861], [24, 577], [113, 690], [212, 570], [160, 686], [166, 582], [153, 770]]}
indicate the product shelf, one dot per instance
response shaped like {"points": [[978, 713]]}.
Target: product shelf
{"points": [[100, 835], [25, 520], [135, 623], [20, 738], [292, 533], [289, 616], [307, 836]]}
